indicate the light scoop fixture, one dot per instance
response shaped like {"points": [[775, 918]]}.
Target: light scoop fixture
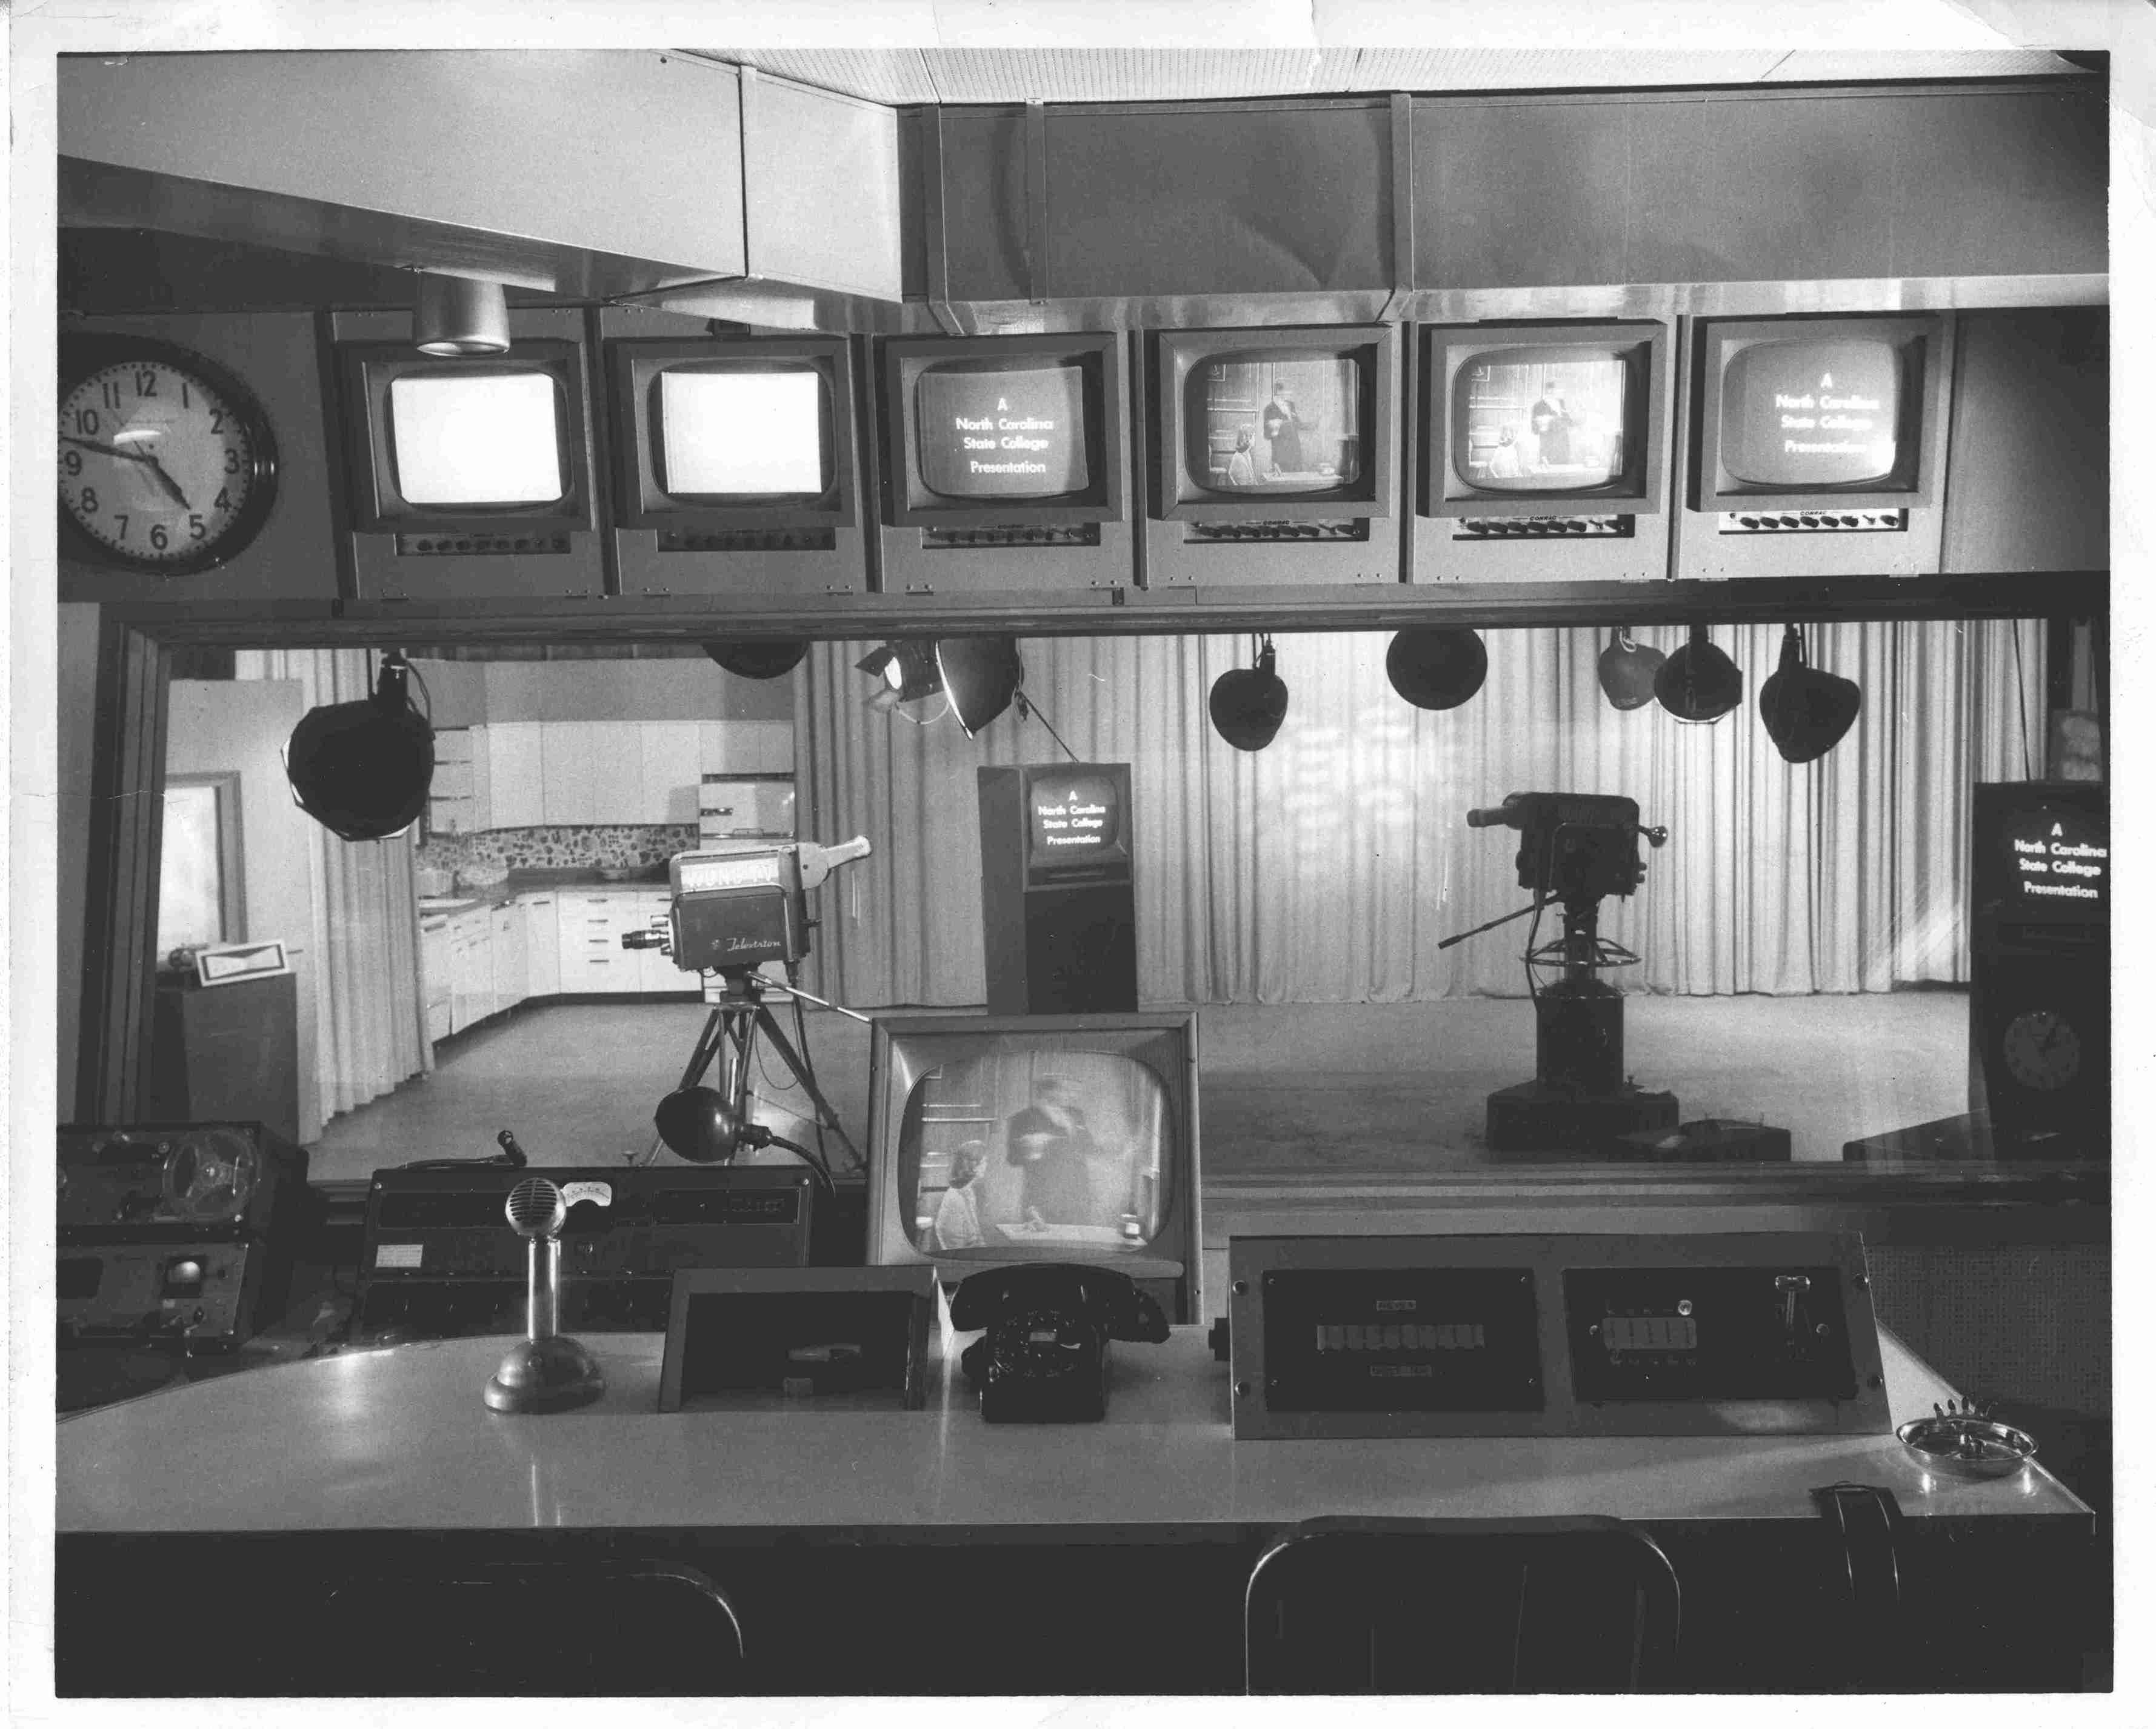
{"points": [[456, 315]]}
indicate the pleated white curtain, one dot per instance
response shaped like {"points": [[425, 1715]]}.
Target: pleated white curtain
{"points": [[1328, 867], [370, 1022]]}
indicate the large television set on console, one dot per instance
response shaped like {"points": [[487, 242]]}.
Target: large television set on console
{"points": [[1276, 456], [1542, 452], [735, 460], [1818, 445], [1005, 461], [472, 475], [999, 1141]]}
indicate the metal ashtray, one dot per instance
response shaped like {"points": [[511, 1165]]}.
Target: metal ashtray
{"points": [[1963, 1441]]}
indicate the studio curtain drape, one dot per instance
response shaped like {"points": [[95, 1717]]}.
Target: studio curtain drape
{"points": [[369, 1022], [1328, 867]]}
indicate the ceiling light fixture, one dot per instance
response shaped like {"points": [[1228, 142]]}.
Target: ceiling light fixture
{"points": [[1699, 683], [758, 658], [1437, 666], [362, 769], [456, 316], [1248, 703]]}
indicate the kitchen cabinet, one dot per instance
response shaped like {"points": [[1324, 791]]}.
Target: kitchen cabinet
{"points": [[506, 957], [471, 969], [515, 774], [617, 772], [671, 752], [569, 771], [434, 986], [589, 946], [727, 747], [542, 940]]}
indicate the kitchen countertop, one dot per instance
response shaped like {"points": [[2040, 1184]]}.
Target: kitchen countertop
{"points": [[539, 881]]}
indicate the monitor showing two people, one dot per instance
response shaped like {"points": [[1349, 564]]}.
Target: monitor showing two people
{"points": [[1288, 423], [1028, 1150], [1530, 422]]}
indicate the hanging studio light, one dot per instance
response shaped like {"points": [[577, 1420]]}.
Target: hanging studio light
{"points": [[1806, 709], [1699, 683], [1436, 666], [362, 769], [1627, 671], [981, 676], [758, 658], [1248, 703], [456, 315], [905, 670]]}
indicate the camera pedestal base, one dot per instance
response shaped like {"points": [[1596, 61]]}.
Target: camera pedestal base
{"points": [[1536, 1117]]}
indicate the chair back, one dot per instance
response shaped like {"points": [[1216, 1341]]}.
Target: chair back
{"points": [[1370, 1605], [555, 1627]]}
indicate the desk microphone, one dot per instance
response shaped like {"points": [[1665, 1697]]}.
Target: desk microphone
{"points": [[544, 1371]]}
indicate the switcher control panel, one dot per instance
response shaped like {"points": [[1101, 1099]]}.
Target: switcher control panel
{"points": [[1767, 1333]]}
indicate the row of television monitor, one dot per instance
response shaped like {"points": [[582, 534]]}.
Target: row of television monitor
{"points": [[759, 433]]}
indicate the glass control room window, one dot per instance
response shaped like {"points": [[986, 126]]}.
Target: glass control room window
{"points": [[199, 899]]}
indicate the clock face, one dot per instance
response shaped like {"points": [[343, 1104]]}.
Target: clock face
{"points": [[164, 464], [2043, 1050]]}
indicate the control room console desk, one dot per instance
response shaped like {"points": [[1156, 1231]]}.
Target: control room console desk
{"points": [[927, 1551]]}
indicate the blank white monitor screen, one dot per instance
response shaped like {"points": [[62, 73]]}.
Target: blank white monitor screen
{"points": [[477, 438], [733, 433]]}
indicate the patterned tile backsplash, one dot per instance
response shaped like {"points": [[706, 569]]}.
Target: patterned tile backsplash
{"points": [[553, 848]]}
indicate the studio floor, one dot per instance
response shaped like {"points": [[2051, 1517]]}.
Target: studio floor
{"points": [[1351, 1090]]}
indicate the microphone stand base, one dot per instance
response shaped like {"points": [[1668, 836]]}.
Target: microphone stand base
{"points": [[553, 1374]]}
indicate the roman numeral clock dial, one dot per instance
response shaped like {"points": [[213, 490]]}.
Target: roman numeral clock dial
{"points": [[166, 462]]}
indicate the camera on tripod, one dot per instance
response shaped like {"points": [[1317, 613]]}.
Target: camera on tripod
{"points": [[742, 903], [736, 906]]}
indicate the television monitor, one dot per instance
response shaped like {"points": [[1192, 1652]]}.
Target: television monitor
{"points": [[741, 434], [1262, 422], [735, 459], [1542, 452], [2041, 853], [1076, 819], [999, 1141], [1532, 419], [1003, 429], [492, 447], [1816, 411]]}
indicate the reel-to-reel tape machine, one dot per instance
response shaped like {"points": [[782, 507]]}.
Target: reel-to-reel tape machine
{"points": [[176, 1233]]}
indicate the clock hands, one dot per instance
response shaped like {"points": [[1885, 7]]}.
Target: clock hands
{"points": [[146, 458]]}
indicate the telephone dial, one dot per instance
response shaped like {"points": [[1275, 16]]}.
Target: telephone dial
{"points": [[1044, 1357]]}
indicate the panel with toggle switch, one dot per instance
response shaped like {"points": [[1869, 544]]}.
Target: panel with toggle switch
{"points": [[1615, 1334]]}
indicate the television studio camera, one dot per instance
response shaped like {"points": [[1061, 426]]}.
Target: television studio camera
{"points": [[736, 906], [1575, 848]]}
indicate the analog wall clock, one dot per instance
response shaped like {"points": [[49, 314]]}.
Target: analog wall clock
{"points": [[167, 464], [2043, 1050]]}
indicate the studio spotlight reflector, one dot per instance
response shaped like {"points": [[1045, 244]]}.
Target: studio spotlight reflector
{"points": [[981, 676], [362, 769], [1437, 666], [1627, 671], [1699, 683], [754, 658], [1806, 709], [1248, 703]]}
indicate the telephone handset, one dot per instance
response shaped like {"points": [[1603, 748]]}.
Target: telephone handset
{"points": [[1044, 1357]]}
